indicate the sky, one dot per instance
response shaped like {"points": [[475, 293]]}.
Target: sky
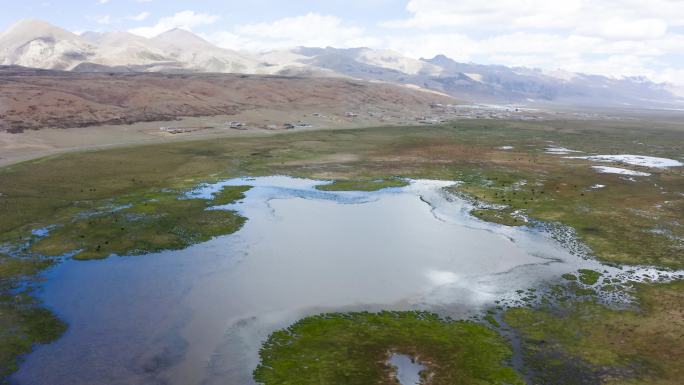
{"points": [[608, 37]]}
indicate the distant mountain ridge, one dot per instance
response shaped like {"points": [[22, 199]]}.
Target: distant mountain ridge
{"points": [[37, 44]]}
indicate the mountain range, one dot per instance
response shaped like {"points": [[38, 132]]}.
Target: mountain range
{"points": [[38, 44]]}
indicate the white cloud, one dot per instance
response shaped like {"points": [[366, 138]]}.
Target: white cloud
{"points": [[103, 1], [577, 53], [139, 17], [618, 28], [311, 29], [648, 17], [492, 14], [612, 37], [185, 20]]}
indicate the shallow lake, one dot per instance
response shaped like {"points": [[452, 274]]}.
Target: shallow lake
{"points": [[198, 315]]}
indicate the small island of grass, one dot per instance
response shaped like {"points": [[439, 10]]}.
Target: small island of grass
{"points": [[353, 348], [589, 277], [363, 184]]}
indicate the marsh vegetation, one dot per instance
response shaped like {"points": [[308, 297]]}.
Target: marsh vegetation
{"points": [[352, 348]]}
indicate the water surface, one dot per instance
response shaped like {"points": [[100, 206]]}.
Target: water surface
{"points": [[198, 316], [408, 371]]}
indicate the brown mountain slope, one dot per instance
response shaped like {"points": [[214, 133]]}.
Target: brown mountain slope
{"points": [[34, 99]]}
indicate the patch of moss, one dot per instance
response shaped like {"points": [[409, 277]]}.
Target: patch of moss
{"points": [[569, 277], [353, 348], [363, 184], [589, 277]]}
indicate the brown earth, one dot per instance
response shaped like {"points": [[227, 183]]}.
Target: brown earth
{"points": [[36, 99]]}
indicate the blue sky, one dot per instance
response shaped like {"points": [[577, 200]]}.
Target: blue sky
{"points": [[611, 37], [82, 14]]}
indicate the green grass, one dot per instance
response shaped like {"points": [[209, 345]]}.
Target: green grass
{"points": [[52, 190], [362, 185], [23, 322], [502, 217], [492, 321], [229, 194], [22, 326], [603, 219], [589, 277], [13, 269], [585, 342], [352, 348], [147, 223]]}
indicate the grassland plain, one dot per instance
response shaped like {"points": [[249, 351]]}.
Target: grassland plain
{"points": [[584, 342], [628, 221]]}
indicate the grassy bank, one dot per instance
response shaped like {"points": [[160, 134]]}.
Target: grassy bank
{"points": [[362, 185], [23, 322], [353, 348], [142, 223]]}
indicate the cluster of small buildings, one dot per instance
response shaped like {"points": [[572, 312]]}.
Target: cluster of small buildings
{"points": [[288, 126], [177, 130], [430, 120], [479, 111]]}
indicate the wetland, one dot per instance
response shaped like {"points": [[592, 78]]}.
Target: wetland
{"points": [[301, 252], [429, 242]]}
